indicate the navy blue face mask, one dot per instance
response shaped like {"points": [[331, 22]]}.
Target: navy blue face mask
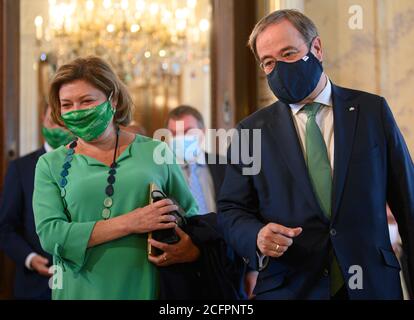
{"points": [[293, 82]]}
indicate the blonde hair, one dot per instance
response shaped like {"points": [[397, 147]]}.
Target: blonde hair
{"points": [[99, 74]]}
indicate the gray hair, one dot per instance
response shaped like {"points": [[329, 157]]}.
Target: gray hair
{"points": [[302, 23]]}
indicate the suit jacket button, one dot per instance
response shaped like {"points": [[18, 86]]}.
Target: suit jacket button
{"points": [[246, 260], [333, 232]]}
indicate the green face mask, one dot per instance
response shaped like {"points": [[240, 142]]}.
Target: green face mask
{"points": [[89, 124], [57, 137]]}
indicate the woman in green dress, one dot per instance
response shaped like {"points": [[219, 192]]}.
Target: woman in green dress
{"points": [[91, 197]]}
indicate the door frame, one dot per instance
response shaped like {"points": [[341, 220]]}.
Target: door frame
{"points": [[9, 111]]}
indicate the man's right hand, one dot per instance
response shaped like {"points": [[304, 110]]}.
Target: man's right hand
{"points": [[40, 265], [273, 240]]}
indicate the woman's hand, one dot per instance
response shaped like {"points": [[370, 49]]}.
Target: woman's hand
{"points": [[141, 220], [181, 252], [152, 217]]}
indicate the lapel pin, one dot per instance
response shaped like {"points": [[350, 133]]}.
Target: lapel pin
{"points": [[352, 109]]}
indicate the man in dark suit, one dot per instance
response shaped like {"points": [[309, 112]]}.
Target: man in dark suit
{"points": [[18, 238], [204, 172], [313, 220]]}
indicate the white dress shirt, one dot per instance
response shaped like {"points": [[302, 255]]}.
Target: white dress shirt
{"points": [[47, 147], [324, 119]]}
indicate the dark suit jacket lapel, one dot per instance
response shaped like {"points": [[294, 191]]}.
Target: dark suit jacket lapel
{"points": [[345, 119], [284, 133]]}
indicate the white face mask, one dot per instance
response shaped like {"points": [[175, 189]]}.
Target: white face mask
{"points": [[394, 235], [187, 148]]}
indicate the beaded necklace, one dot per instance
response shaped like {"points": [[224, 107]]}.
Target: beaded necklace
{"points": [[109, 190]]}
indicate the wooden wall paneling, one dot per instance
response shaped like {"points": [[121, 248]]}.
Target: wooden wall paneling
{"points": [[9, 110], [234, 71]]}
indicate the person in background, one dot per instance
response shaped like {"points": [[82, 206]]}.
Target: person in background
{"points": [[18, 238], [204, 172]]}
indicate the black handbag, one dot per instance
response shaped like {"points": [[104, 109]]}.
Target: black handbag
{"points": [[168, 235]]}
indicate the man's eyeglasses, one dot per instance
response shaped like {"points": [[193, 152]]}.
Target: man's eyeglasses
{"points": [[290, 55]]}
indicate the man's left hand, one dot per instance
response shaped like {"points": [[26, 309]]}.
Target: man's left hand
{"points": [[180, 252]]}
